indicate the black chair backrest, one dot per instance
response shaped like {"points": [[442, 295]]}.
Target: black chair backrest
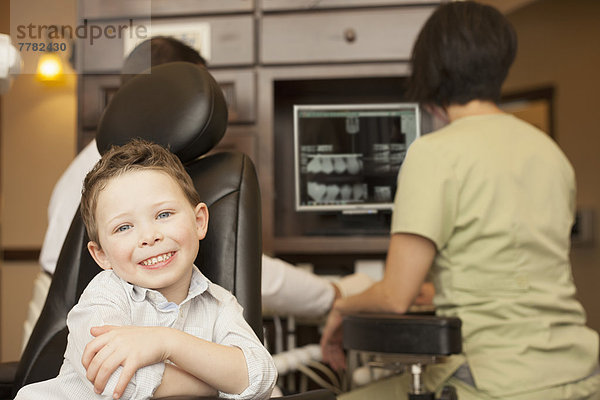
{"points": [[179, 106]]}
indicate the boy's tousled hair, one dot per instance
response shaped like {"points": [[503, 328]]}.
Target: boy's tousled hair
{"points": [[463, 53], [136, 155]]}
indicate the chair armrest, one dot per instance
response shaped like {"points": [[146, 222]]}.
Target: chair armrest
{"points": [[320, 394], [403, 334], [8, 372]]}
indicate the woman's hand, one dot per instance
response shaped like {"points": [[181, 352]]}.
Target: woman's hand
{"points": [[409, 259], [331, 341], [425, 296]]}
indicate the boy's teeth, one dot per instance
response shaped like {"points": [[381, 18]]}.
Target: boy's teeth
{"points": [[157, 259]]}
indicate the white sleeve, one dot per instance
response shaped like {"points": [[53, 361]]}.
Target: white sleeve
{"points": [[102, 304], [288, 290], [231, 329], [64, 202]]}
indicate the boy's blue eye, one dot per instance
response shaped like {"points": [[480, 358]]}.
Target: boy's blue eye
{"points": [[123, 228], [164, 214]]}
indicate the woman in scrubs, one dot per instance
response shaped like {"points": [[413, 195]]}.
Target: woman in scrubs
{"points": [[486, 203]]}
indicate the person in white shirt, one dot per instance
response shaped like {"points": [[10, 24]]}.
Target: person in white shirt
{"points": [[151, 324]]}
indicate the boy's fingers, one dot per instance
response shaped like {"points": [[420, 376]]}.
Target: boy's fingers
{"points": [[89, 352], [100, 330], [126, 375], [91, 349], [97, 360], [108, 367]]}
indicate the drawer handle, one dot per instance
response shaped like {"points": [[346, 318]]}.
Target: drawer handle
{"points": [[350, 35]]}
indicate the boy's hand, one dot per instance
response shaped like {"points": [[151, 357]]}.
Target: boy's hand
{"points": [[132, 347]]}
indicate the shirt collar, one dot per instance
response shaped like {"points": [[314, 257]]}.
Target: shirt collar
{"points": [[198, 285]]}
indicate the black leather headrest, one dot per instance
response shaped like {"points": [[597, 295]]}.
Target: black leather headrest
{"points": [[177, 105]]}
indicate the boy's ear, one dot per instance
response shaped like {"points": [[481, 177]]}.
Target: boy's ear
{"points": [[98, 255], [201, 212]]}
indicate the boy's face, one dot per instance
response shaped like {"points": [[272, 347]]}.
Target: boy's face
{"points": [[148, 231]]}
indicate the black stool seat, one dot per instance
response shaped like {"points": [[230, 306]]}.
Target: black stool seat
{"points": [[403, 334]]}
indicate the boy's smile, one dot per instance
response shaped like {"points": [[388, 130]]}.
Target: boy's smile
{"points": [[158, 261], [149, 232]]}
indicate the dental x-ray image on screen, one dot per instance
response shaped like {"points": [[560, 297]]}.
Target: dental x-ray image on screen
{"points": [[347, 156]]}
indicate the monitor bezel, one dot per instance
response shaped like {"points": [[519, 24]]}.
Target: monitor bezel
{"points": [[358, 208]]}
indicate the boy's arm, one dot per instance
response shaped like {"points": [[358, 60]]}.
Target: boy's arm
{"points": [[177, 382], [236, 364], [103, 303], [220, 366], [134, 347], [231, 329]]}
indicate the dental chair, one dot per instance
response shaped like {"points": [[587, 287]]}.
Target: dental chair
{"points": [[180, 106], [405, 343]]}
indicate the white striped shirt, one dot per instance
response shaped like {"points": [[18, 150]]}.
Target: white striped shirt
{"points": [[209, 312]]}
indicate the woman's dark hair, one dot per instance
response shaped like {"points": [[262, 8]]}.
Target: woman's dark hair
{"points": [[462, 53]]}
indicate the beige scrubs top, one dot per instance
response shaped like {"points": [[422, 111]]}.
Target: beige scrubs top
{"points": [[497, 197]]}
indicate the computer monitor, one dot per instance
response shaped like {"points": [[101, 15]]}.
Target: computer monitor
{"points": [[347, 156]]}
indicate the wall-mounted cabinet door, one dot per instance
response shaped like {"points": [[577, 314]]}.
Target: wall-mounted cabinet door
{"points": [[94, 94], [341, 36], [100, 9], [281, 5], [230, 40], [97, 9], [239, 138], [239, 88], [187, 7]]}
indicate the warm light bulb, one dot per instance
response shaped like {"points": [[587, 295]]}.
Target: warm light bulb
{"points": [[49, 67]]}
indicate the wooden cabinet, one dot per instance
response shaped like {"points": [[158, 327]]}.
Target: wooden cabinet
{"points": [[239, 87], [268, 55], [102, 9], [232, 58], [334, 52], [286, 231], [291, 5], [94, 94], [377, 35], [231, 41]]}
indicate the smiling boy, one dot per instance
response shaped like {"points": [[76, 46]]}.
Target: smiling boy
{"points": [[151, 324]]}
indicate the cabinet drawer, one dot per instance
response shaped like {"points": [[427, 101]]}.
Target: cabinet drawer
{"points": [[95, 92], [183, 7], [231, 41], [349, 36], [96, 9], [279, 5], [242, 139], [239, 88], [231, 37], [114, 9]]}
